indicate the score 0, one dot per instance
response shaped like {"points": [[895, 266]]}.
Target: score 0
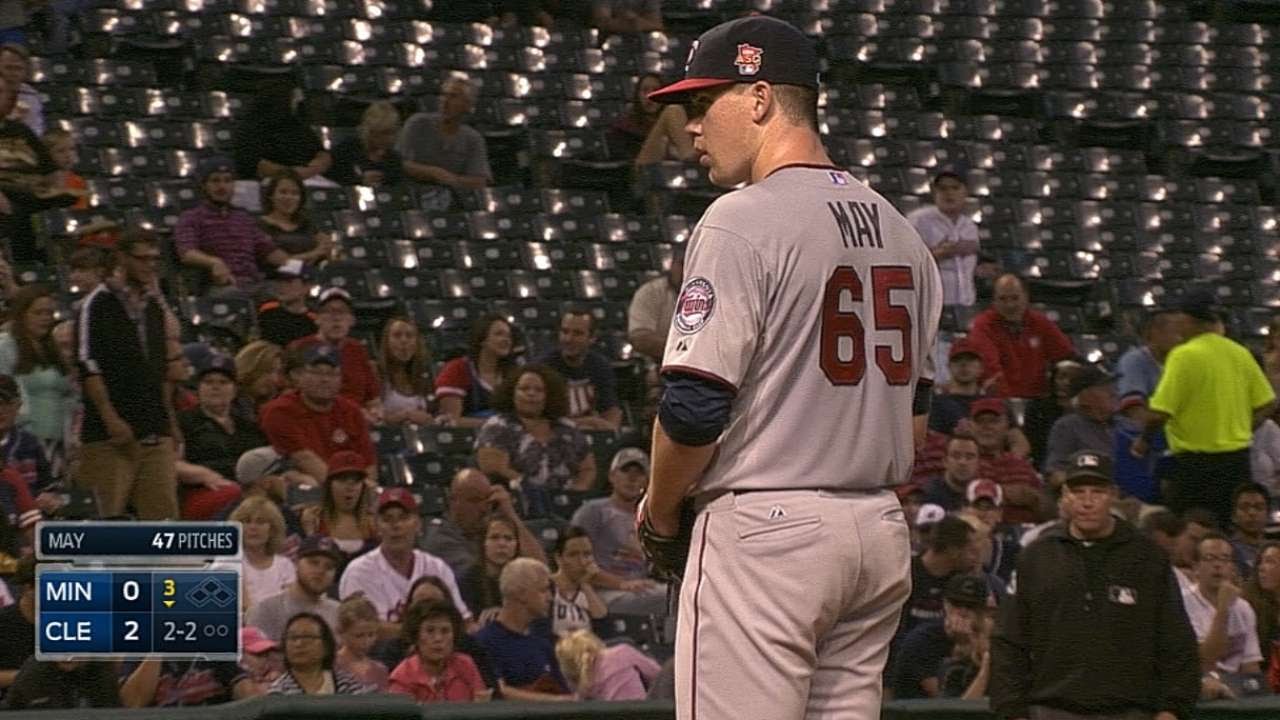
{"points": [[131, 612]]}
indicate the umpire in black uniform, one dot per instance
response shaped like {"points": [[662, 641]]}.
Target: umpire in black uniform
{"points": [[1094, 625]]}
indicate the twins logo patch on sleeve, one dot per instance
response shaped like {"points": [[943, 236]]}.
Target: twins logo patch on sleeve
{"points": [[695, 305]]}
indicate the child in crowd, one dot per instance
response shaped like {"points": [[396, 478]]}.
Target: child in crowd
{"points": [[87, 267], [358, 631], [597, 672], [62, 147], [262, 661]]}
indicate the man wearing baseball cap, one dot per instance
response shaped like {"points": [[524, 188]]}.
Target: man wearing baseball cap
{"points": [[966, 601], [221, 239], [1140, 366], [265, 472], [984, 498], [335, 316], [385, 574], [610, 523], [951, 405], [951, 235], [1078, 584], [286, 317], [1211, 396], [319, 561], [748, 50], [744, 368], [207, 471], [1020, 481], [316, 422], [1089, 427]]}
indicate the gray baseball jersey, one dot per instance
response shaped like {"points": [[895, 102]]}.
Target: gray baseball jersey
{"points": [[818, 302]]}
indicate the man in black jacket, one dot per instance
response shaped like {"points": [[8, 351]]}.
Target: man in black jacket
{"points": [[126, 343], [1094, 626]]}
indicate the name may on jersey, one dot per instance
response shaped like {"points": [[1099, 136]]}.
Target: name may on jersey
{"points": [[858, 222]]}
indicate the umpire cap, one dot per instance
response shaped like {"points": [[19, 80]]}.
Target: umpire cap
{"points": [[1086, 467], [744, 51]]}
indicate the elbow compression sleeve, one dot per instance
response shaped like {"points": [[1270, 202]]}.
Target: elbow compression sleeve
{"points": [[694, 411], [923, 399]]}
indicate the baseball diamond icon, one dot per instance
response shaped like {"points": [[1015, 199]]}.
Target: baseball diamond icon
{"points": [[211, 590]]}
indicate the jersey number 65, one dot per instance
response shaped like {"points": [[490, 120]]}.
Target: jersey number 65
{"points": [[840, 324]]}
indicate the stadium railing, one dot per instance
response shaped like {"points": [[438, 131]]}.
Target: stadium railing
{"points": [[396, 707]]}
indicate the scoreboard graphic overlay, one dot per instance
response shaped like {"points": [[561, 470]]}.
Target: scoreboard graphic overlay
{"points": [[138, 590]]}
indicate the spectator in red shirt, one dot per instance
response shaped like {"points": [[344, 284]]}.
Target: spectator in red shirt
{"points": [[314, 422], [1018, 478], [1017, 343], [436, 671], [335, 318], [465, 385]]}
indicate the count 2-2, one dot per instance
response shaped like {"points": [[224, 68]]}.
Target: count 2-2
{"points": [[186, 632]]}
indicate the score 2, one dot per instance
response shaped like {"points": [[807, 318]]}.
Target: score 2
{"points": [[131, 612]]}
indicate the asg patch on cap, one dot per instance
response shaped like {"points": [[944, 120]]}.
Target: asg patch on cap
{"points": [[696, 304], [749, 59], [749, 49]]}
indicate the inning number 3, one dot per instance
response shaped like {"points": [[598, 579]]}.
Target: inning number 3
{"points": [[840, 325]]}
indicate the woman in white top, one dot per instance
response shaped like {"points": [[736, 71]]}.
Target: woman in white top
{"points": [[266, 571], [405, 367], [574, 601]]}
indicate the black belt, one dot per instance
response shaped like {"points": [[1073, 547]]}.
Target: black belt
{"points": [[708, 498]]}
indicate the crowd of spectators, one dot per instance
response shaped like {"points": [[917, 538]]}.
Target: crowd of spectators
{"points": [[1175, 436], [353, 584]]}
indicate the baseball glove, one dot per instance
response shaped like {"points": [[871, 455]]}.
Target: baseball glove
{"points": [[667, 555]]}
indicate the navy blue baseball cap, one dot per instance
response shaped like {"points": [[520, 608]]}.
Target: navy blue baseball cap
{"points": [[746, 50], [954, 170], [1202, 304], [214, 164], [322, 354], [217, 363]]}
